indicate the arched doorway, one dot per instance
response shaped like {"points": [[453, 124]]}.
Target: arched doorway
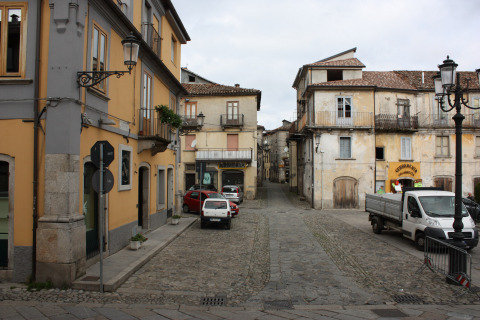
{"points": [[345, 193], [90, 211]]}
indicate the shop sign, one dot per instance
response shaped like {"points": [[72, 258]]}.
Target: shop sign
{"points": [[232, 165], [406, 169]]}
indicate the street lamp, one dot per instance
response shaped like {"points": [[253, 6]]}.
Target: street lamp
{"points": [[447, 82], [130, 56]]}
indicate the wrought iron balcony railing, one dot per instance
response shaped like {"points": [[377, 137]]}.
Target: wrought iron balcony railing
{"points": [[151, 127], [394, 122], [232, 120], [444, 120], [151, 37], [191, 123], [224, 155], [332, 119]]}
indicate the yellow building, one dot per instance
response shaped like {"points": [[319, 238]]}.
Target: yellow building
{"points": [[226, 142], [54, 112], [359, 130]]}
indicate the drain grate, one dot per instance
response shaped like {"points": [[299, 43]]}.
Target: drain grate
{"points": [[390, 313], [277, 304], [407, 298], [213, 301]]}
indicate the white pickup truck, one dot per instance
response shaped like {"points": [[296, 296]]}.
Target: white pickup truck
{"points": [[419, 212]]}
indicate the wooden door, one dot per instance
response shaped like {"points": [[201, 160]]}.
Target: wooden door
{"points": [[444, 183], [345, 193]]}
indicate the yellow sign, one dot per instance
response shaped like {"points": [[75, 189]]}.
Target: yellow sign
{"points": [[404, 170]]}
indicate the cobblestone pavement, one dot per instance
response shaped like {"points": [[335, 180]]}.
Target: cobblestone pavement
{"points": [[280, 260]]}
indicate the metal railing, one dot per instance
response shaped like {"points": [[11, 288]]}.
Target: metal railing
{"points": [[151, 126], [190, 122], [395, 122], [448, 260], [332, 119], [232, 120], [224, 154], [444, 120], [151, 37]]}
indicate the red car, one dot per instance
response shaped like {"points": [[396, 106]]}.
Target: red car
{"points": [[191, 203]]}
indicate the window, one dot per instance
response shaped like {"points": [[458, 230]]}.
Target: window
{"points": [[174, 49], [146, 112], [477, 146], [345, 147], [476, 112], [161, 191], [344, 110], [406, 148], [232, 142], [334, 75], [403, 113], [380, 153], [191, 78], [438, 114], [190, 110], [442, 146], [413, 205], [99, 52], [125, 168], [12, 38], [190, 142], [232, 111]]}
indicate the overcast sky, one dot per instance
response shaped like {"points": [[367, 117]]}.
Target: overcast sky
{"points": [[261, 44]]}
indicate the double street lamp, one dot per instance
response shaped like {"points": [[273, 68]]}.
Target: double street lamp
{"points": [[447, 83]]}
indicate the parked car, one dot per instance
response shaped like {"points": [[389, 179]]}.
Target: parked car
{"points": [[233, 193], [191, 201], [473, 208], [216, 210], [210, 187]]}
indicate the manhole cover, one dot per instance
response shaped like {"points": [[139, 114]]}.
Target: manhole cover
{"points": [[407, 298], [91, 278], [390, 313], [277, 304], [213, 301]]}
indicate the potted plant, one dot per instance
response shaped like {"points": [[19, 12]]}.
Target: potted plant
{"points": [[136, 241], [176, 219]]}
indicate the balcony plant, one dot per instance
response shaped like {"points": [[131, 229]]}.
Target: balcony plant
{"points": [[136, 241], [166, 115]]}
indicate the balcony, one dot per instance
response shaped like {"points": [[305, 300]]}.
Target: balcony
{"points": [[394, 122], [224, 155], [153, 134], [151, 37], [350, 120], [445, 121], [191, 123], [232, 120]]}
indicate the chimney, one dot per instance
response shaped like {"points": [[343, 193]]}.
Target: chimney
{"points": [[237, 85]]}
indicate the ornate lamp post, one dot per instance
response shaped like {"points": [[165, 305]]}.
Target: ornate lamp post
{"points": [[445, 86], [130, 55]]}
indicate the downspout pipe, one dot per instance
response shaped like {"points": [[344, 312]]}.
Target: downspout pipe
{"points": [[35, 139], [313, 169]]}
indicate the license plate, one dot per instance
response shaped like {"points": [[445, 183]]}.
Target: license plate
{"points": [[216, 220]]}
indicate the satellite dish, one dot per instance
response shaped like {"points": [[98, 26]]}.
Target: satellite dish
{"points": [[286, 149], [194, 143]]}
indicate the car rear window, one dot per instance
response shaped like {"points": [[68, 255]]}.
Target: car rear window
{"points": [[229, 189], [216, 205]]}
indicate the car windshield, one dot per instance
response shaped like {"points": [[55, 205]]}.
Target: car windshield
{"points": [[440, 206], [215, 205], [229, 189]]}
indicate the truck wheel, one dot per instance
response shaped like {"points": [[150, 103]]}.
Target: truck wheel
{"points": [[377, 225], [420, 241], [185, 208]]}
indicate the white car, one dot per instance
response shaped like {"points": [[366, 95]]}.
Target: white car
{"points": [[216, 210], [233, 193]]}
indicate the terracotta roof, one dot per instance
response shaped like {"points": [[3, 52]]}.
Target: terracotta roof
{"points": [[214, 89], [353, 62], [387, 79], [345, 83]]}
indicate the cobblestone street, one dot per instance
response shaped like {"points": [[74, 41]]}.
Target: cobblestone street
{"points": [[279, 255]]}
